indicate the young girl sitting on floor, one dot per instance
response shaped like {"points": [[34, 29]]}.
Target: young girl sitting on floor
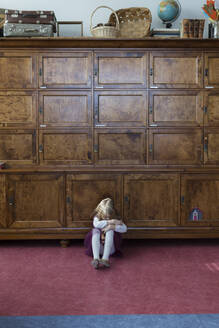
{"points": [[105, 238]]}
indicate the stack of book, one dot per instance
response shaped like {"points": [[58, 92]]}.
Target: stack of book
{"points": [[165, 33], [192, 28]]}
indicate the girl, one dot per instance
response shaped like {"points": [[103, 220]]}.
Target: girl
{"points": [[105, 238]]}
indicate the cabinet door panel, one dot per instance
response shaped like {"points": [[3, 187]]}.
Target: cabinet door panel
{"points": [[167, 70], [175, 108], [211, 117], [211, 146], [65, 147], [70, 70], [35, 201], [18, 146], [58, 109], [120, 146], [200, 191], [18, 109], [85, 191], [17, 71], [151, 199], [212, 70], [120, 108], [120, 69], [2, 201], [175, 147]]}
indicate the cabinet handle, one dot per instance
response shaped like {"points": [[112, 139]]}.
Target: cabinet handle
{"points": [[182, 200], [205, 144], [11, 201], [41, 148], [127, 201], [151, 149]]}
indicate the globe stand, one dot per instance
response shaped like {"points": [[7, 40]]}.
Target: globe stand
{"points": [[168, 25]]}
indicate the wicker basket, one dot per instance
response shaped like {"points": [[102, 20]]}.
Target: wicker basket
{"points": [[105, 31], [134, 22]]}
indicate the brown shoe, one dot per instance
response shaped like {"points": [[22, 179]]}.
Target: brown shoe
{"points": [[105, 263], [95, 263]]}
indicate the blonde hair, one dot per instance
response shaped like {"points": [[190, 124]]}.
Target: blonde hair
{"points": [[105, 209]]}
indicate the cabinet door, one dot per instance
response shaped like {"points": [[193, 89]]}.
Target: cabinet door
{"points": [[120, 146], [212, 70], [176, 70], [175, 108], [17, 70], [120, 108], [120, 70], [35, 200], [85, 191], [65, 147], [211, 102], [211, 146], [175, 146], [66, 70], [18, 147], [18, 109], [63, 108], [201, 192], [3, 222], [151, 199]]}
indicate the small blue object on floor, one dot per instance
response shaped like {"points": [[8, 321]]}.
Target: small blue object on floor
{"points": [[113, 321]]}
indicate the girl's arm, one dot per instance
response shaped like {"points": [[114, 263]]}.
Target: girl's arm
{"points": [[116, 227], [99, 224]]}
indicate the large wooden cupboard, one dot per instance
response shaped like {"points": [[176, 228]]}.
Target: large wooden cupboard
{"points": [[84, 119]]}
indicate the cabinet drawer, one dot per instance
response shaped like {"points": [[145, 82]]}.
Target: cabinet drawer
{"points": [[17, 71], [70, 70], [63, 109], [120, 69], [18, 147], [175, 146], [65, 147], [176, 70], [120, 146], [120, 108], [175, 108], [18, 109]]}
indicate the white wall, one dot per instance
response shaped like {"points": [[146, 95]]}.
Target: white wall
{"points": [[82, 9]]}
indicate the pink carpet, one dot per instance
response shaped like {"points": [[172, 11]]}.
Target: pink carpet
{"points": [[153, 277]]}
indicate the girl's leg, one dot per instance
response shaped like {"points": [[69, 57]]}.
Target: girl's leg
{"points": [[96, 248], [108, 247]]}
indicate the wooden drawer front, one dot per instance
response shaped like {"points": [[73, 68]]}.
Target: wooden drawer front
{"points": [[200, 191], [212, 70], [66, 70], [35, 201], [151, 199], [17, 71], [121, 69], [211, 117], [120, 146], [18, 109], [175, 108], [176, 70], [124, 108], [85, 191], [211, 146], [171, 146], [18, 147], [65, 109], [65, 147], [3, 223]]}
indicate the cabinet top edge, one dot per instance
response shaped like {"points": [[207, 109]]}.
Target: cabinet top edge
{"points": [[90, 42]]}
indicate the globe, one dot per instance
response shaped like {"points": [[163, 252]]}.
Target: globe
{"points": [[168, 11]]}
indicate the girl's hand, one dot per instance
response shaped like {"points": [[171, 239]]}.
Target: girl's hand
{"points": [[109, 227], [115, 221]]}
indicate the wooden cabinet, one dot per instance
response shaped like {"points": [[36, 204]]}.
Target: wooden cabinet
{"points": [[85, 191], [211, 146], [65, 70], [151, 200], [120, 108], [200, 191], [175, 146], [211, 104], [17, 70], [120, 69], [175, 108], [35, 200], [176, 70], [211, 71], [120, 146]]}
